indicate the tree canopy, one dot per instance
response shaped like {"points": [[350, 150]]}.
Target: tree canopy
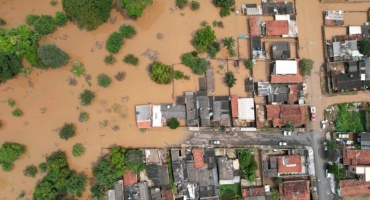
{"points": [[161, 73], [197, 65], [249, 64], [86, 97], [134, 160], [44, 25], [365, 47], [114, 42], [88, 14], [173, 123], [332, 154], [135, 8], [105, 174], [67, 131], [10, 152], [230, 79], [224, 3], [117, 158], [51, 55], [305, 66], [203, 38], [10, 66], [248, 164]]}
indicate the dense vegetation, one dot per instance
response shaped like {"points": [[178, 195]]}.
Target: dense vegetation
{"points": [[30, 171], [78, 150], [248, 165], [86, 97], [161, 73], [195, 5], [197, 65], [60, 18], [51, 55], [349, 121], [365, 47], [17, 112], [88, 14], [229, 43], [31, 18], [225, 6], [181, 3], [131, 59], [230, 191], [60, 180], [114, 42], [230, 79], [104, 80], [10, 152], [110, 59], [43, 167], [44, 25], [67, 131], [173, 123], [135, 164], [203, 38], [127, 31], [338, 172], [305, 66], [135, 8]]}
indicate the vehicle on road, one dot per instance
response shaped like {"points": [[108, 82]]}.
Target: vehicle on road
{"points": [[214, 142], [327, 174], [325, 147], [287, 133], [283, 143], [323, 124], [313, 114]]}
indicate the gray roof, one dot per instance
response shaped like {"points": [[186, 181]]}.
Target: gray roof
{"points": [[365, 139], [280, 50], [217, 110], [191, 111], [202, 84], [348, 81], [263, 88], [210, 78], [210, 157], [279, 93], [144, 191], [137, 191], [256, 42], [155, 194], [158, 174], [365, 31], [179, 171], [190, 168], [203, 106], [142, 113], [175, 155], [273, 162], [207, 191], [249, 85], [207, 177], [180, 100], [255, 198], [225, 168], [173, 111], [280, 7]]}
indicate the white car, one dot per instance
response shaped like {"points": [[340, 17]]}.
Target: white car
{"points": [[325, 147], [283, 143], [287, 133], [214, 142], [328, 175], [323, 125]]}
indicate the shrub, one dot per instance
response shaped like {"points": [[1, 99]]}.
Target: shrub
{"points": [[114, 42], [31, 19], [214, 23], [224, 3], [230, 79], [88, 14], [78, 150], [135, 8], [110, 59], [249, 64], [178, 74], [10, 152], [7, 167], [11, 102], [67, 131], [195, 5], [127, 31], [173, 123], [60, 18], [365, 47], [43, 167], [44, 25], [305, 66], [248, 165], [120, 76], [181, 3], [2, 22], [104, 80], [53, 2], [78, 68], [203, 38], [197, 65], [220, 24], [17, 112], [161, 73], [84, 116], [213, 49], [131, 59], [30, 171], [134, 161], [224, 12], [229, 42], [86, 97], [21, 195], [194, 53], [278, 181], [51, 55]]}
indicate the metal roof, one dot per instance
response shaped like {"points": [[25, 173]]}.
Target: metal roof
{"points": [[246, 109], [286, 67]]}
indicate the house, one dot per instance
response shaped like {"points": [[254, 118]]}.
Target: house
{"points": [[356, 157], [156, 116], [153, 156], [365, 30], [167, 194], [246, 109], [249, 86], [277, 8], [234, 106], [227, 173], [251, 9], [129, 178], [258, 53], [254, 29], [191, 110], [143, 116], [280, 50], [281, 114], [290, 164], [178, 166], [158, 174], [355, 30], [343, 82], [362, 172], [290, 93], [137, 191], [295, 190], [334, 18], [344, 51], [292, 24], [189, 190], [270, 167], [155, 194], [117, 192], [210, 80], [277, 27], [286, 71], [221, 110], [352, 187], [208, 182], [365, 140], [169, 111], [255, 193]]}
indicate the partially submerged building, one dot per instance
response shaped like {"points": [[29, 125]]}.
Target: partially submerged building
{"points": [[334, 18], [295, 190], [286, 71], [117, 192], [281, 114], [143, 116]]}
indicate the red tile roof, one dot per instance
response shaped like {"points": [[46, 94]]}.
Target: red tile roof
{"points": [[167, 195], [293, 93], [255, 191], [351, 187], [129, 178], [198, 158], [297, 78], [334, 74], [295, 190], [277, 27], [280, 114], [356, 157], [253, 26], [234, 105], [146, 124], [357, 37], [289, 164], [332, 22]]}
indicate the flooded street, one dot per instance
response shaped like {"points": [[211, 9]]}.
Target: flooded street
{"points": [[48, 101]]}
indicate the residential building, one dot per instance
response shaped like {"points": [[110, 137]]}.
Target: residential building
{"points": [[277, 27], [220, 105], [155, 194], [191, 110], [344, 51], [251, 9], [129, 178], [210, 80], [295, 190], [117, 192], [280, 50], [167, 194], [138, 191], [143, 116], [281, 114], [353, 187], [292, 24], [158, 174], [290, 164], [153, 156], [256, 193], [284, 93], [334, 18], [278, 8], [226, 171], [365, 140], [286, 71], [361, 172], [356, 157]]}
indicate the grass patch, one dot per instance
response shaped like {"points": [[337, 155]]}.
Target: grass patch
{"points": [[229, 191], [350, 121]]}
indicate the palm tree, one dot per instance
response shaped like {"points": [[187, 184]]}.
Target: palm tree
{"points": [[229, 42], [230, 79]]}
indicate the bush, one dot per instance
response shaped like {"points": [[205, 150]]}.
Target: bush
{"points": [[220, 24], [84, 116], [195, 5], [203, 38], [127, 31], [7, 167], [43, 167], [53, 2], [365, 47], [134, 161], [30, 171], [88, 14], [104, 80], [275, 194], [51, 55], [224, 12], [21, 195], [305, 66], [229, 42], [224, 3], [117, 158], [204, 23], [110, 59], [17, 112], [178, 74], [181, 3], [114, 42], [230, 79], [197, 65], [44, 25], [11, 102], [248, 165], [10, 152], [131, 59], [135, 8], [173, 123], [161, 73], [86, 97], [194, 54], [2, 22], [249, 64], [278, 181], [60, 18], [31, 19], [78, 150], [213, 49], [67, 131]]}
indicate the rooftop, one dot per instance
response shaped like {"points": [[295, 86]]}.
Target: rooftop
{"points": [[347, 81], [277, 27], [143, 116], [289, 164], [198, 158], [158, 174], [234, 105], [253, 191], [356, 157], [351, 187], [253, 26], [129, 177], [280, 114], [246, 109], [210, 79], [225, 168], [173, 111], [295, 190], [285, 67], [296, 78], [152, 156], [277, 8], [280, 50], [167, 194]]}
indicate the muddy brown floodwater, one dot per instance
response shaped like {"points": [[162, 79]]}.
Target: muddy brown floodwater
{"points": [[48, 101]]}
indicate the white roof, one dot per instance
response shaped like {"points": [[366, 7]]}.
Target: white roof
{"points": [[282, 17], [157, 116], [367, 174], [286, 67], [236, 164], [246, 108], [355, 30]]}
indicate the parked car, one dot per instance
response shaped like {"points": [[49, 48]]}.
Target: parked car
{"points": [[283, 143], [214, 142], [313, 114], [327, 174], [287, 133], [323, 125], [325, 147]]}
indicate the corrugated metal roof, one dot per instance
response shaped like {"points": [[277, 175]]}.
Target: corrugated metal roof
{"points": [[157, 116], [246, 109]]}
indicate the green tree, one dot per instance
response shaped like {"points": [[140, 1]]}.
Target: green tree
{"points": [[10, 66], [45, 190], [67, 131], [105, 174], [195, 5], [2, 22], [60, 18], [365, 47], [332, 154], [43, 167], [275, 194], [78, 150], [76, 184], [224, 3], [249, 64], [31, 18], [173, 123], [305, 66], [181, 3], [127, 31], [135, 8], [134, 161], [278, 181], [117, 159], [197, 65], [237, 197], [104, 80], [213, 49], [30, 171], [51, 55], [131, 59], [178, 74], [203, 38], [11, 102], [10, 152], [78, 68], [161, 73], [230, 79], [44, 25], [332, 144], [229, 42], [88, 14], [97, 192], [7, 167], [17, 112], [86, 97], [110, 59], [337, 171], [114, 42], [224, 12]]}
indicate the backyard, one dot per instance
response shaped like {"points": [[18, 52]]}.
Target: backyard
{"points": [[230, 191]]}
